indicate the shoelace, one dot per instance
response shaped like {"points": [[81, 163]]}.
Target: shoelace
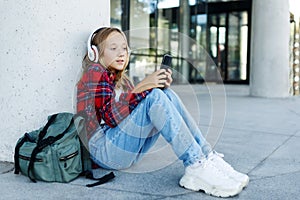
{"points": [[217, 171], [219, 154], [220, 160]]}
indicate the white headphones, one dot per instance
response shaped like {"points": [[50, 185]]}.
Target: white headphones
{"points": [[92, 50]]}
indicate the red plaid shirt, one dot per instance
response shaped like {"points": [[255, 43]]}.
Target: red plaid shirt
{"points": [[96, 97]]}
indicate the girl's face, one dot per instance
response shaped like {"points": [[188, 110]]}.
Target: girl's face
{"points": [[115, 52]]}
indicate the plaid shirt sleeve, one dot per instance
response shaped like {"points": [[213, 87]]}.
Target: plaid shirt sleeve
{"points": [[113, 111], [96, 96], [86, 88]]}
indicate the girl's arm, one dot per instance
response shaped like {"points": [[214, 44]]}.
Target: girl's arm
{"points": [[111, 109]]}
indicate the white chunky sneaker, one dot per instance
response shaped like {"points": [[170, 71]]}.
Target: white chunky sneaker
{"points": [[217, 160], [204, 176]]}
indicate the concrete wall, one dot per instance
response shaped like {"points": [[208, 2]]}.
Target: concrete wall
{"points": [[42, 45]]}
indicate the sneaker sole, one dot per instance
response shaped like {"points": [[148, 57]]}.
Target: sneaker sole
{"points": [[244, 182], [198, 185]]}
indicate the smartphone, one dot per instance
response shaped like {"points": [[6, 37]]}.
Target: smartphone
{"points": [[166, 61]]}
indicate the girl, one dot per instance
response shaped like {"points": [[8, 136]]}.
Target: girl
{"points": [[124, 121]]}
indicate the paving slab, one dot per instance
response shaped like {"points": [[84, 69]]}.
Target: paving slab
{"points": [[259, 136], [6, 167], [283, 160], [276, 188], [265, 115], [245, 150]]}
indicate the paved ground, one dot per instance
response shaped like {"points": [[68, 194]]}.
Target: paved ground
{"points": [[259, 136]]}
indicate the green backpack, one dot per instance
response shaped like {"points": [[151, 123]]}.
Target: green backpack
{"points": [[57, 152]]}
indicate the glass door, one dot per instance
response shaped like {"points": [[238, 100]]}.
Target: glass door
{"points": [[228, 45], [237, 47], [217, 46]]}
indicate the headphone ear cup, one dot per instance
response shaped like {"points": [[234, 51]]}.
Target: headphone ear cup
{"points": [[93, 53], [92, 50]]}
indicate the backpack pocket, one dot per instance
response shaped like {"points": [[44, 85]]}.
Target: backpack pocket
{"points": [[43, 168], [69, 163]]}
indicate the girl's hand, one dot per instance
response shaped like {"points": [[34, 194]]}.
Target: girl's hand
{"points": [[169, 78], [157, 79]]}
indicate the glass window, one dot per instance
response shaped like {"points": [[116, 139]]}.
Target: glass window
{"points": [[237, 46], [221, 33], [115, 13]]}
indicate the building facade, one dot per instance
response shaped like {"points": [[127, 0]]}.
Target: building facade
{"points": [[248, 41]]}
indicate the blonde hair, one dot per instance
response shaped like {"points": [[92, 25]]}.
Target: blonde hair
{"points": [[99, 41]]}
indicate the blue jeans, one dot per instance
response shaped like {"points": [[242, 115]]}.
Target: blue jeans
{"points": [[160, 113]]}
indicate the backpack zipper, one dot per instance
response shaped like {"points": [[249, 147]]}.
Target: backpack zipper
{"points": [[65, 158], [28, 158]]}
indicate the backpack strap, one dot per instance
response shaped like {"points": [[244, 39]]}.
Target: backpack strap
{"points": [[103, 179], [25, 138], [44, 130], [79, 121], [42, 143], [85, 154]]}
